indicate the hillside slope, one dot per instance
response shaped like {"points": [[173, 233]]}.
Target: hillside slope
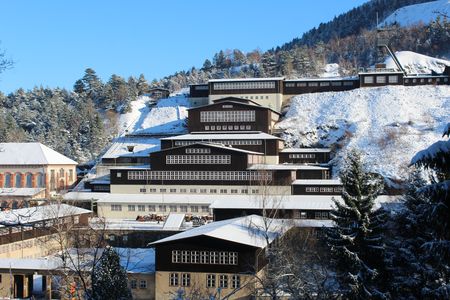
{"points": [[418, 13], [389, 124], [415, 63]]}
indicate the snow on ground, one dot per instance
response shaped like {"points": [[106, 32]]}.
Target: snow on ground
{"points": [[330, 70], [418, 13], [389, 124], [415, 63], [167, 117], [138, 107]]}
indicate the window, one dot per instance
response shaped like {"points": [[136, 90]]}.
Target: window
{"points": [[7, 183], [324, 84], [131, 207], [368, 79], [203, 191], [40, 180], [173, 208], [193, 191], [206, 127], [255, 191], [116, 207], [244, 191], [312, 189], [198, 159], [205, 208], [223, 191], [195, 257], [152, 208], [133, 283], [172, 190], [198, 151], [223, 258], [393, 79], [183, 208], [211, 280], [381, 79], [223, 281], [185, 279], [152, 190], [118, 175], [199, 176], [185, 257], [183, 190], [336, 83], [141, 207], [194, 208], [243, 85], [142, 190], [235, 281], [204, 258], [18, 180], [348, 83], [229, 116], [313, 84], [321, 215], [234, 191], [29, 181], [233, 258], [173, 279], [162, 208], [162, 190], [213, 257], [213, 191], [70, 175], [176, 256], [143, 284]]}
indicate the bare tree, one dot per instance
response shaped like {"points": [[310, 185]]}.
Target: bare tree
{"points": [[5, 63]]}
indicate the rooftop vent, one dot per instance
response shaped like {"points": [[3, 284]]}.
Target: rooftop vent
{"points": [[130, 148]]}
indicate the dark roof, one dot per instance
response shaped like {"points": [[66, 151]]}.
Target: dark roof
{"points": [[158, 89]]}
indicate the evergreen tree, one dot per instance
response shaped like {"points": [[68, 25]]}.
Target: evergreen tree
{"points": [[79, 87], [207, 65], [356, 240], [142, 85], [93, 85], [434, 212], [109, 279]]}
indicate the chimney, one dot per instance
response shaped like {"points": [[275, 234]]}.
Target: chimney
{"points": [[130, 148]]}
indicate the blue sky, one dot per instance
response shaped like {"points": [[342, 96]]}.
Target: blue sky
{"points": [[53, 42]]}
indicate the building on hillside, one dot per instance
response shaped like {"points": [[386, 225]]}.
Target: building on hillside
{"points": [[220, 258], [232, 114], [33, 165], [158, 93], [268, 145], [267, 92]]}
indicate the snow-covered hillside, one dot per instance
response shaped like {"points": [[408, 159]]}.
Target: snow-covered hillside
{"points": [[167, 116], [389, 124], [418, 13], [415, 63]]}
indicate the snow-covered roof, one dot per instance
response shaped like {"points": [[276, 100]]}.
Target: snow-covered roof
{"points": [[31, 154], [30, 264], [174, 221], [220, 135], [245, 79], [323, 79], [317, 182], [137, 260], [4, 192], [142, 147], [39, 213], [286, 167], [305, 150], [251, 230], [289, 202]]}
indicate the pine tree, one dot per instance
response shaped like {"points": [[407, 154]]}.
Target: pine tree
{"points": [[434, 236], [356, 240], [109, 279], [142, 85], [93, 85]]}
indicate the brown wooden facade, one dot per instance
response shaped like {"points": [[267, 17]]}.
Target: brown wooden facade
{"points": [[296, 87], [314, 188], [199, 90], [221, 214], [216, 87], [264, 118]]}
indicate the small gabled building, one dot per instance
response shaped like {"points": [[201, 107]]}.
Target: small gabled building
{"points": [[232, 114], [158, 93], [220, 258], [34, 165]]}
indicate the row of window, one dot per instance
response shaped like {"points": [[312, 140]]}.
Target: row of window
{"points": [[224, 142], [200, 175], [323, 189], [228, 127], [162, 208], [228, 116], [318, 83], [423, 80], [198, 150], [174, 280], [8, 180], [303, 155], [134, 284], [204, 257], [380, 79], [221, 86], [195, 191], [198, 159]]}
